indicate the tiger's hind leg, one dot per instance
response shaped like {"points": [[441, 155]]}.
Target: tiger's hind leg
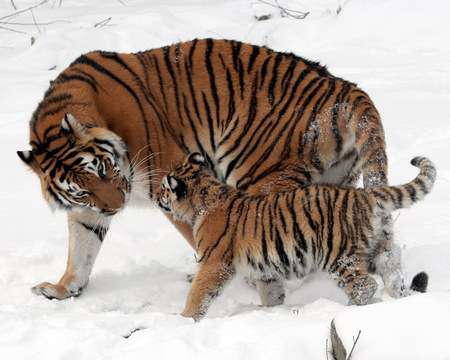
{"points": [[387, 263], [361, 291], [271, 291], [87, 230]]}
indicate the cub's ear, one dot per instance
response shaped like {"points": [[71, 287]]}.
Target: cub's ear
{"points": [[177, 186], [28, 158], [197, 158], [71, 127]]}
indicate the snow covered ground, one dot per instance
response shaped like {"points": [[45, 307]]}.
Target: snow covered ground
{"points": [[398, 51]]}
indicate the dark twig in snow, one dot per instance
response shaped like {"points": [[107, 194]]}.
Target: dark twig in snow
{"points": [[103, 22], [6, 20], [22, 11], [354, 344], [33, 23], [34, 19], [295, 14]]}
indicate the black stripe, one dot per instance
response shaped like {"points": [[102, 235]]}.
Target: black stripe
{"points": [[170, 69], [63, 78], [330, 209], [412, 192], [263, 233], [188, 70], [210, 69], [298, 233], [264, 72], [97, 230], [231, 104], [191, 53], [253, 56], [284, 258], [192, 125], [210, 123], [235, 49], [273, 80], [56, 198]]}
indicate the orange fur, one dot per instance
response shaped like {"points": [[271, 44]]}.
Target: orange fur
{"points": [[265, 121], [284, 235]]}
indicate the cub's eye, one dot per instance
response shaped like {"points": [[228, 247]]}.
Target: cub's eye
{"points": [[81, 193]]}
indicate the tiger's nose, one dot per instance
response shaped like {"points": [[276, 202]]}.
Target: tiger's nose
{"points": [[108, 212]]}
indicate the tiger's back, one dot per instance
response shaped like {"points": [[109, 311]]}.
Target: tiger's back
{"points": [[266, 121]]}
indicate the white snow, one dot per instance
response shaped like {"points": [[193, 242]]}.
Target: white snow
{"points": [[397, 51]]}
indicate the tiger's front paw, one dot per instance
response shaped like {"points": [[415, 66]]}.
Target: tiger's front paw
{"points": [[57, 291]]}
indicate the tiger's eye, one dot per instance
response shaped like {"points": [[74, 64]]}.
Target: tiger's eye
{"points": [[81, 193]]}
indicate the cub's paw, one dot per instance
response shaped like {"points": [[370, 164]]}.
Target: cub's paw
{"points": [[57, 291]]}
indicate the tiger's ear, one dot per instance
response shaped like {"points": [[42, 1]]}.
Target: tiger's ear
{"points": [[197, 158], [29, 159], [178, 187], [71, 127]]}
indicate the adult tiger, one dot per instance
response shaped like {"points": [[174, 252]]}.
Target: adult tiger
{"points": [[265, 122]]}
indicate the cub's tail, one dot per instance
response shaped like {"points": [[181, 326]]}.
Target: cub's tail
{"points": [[398, 197]]}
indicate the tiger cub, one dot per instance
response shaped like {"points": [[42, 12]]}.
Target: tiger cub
{"points": [[284, 235]]}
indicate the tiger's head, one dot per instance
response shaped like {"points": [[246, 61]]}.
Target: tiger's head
{"points": [[80, 167], [177, 188]]}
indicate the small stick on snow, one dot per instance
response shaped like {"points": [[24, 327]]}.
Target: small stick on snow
{"points": [[354, 344]]}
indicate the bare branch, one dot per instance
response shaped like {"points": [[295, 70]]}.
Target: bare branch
{"points": [[34, 23], [103, 22], [25, 10], [34, 19], [7, 20], [8, 29], [354, 344], [295, 14]]}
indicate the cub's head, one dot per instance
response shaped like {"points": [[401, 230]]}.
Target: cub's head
{"points": [[179, 185], [80, 167]]}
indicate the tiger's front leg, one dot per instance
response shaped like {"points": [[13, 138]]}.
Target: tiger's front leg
{"points": [[87, 229], [207, 285]]}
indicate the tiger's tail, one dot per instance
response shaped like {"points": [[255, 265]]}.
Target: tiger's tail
{"points": [[398, 197]]}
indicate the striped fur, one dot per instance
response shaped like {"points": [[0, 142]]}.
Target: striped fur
{"points": [[284, 235], [265, 122]]}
